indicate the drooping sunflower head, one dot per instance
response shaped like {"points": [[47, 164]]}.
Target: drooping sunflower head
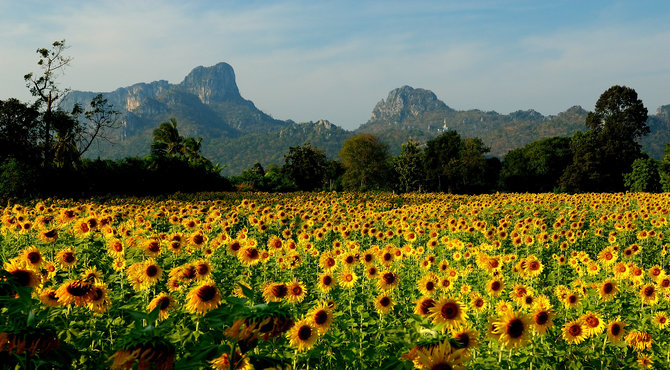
{"points": [[275, 292], [203, 298]]}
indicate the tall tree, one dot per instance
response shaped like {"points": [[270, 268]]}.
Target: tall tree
{"points": [[366, 162], [305, 165], [441, 162], [409, 167], [19, 132], [536, 167], [45, 88], [610, 145]]}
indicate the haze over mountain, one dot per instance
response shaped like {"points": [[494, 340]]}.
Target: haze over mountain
{"points": [[208, 104]]}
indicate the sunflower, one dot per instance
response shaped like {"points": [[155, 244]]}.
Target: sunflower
{"points": [[223, 362], [203, 269], [494, 287], [302, 335], [512, 329], [620, 270], [648, 294], [441, 356], [639, 341], [23, 277], [477, 302], [66, 258], [203, 298], [661, 319], [249, 256], [645, 361], [347, 279], [384, 303], [574, 332], [449, 311], [48, 236], [32, 257], [428, 284], [275, 292], [466, 338], [119, 264], [75, 292], [388, 280], [48, 297], [571, 300], [542, 319], [164, 302], [616, 330], [115, 247], [608, 289], [296, 291], [326, 282], [322, 317], [98, 300], [593, 324], [423, 306], [371, 272], [92, 275]]}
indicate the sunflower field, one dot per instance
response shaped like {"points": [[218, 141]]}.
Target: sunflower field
{"points": [[337, 280]]}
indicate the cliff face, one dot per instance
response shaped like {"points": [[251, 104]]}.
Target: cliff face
{"points": [[406, 102]]}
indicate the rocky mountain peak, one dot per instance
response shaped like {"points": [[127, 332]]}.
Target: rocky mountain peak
{"points": [[212, 84], [406, 101]]}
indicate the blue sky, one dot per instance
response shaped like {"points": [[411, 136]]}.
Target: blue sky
{"points": [[311, 60]]}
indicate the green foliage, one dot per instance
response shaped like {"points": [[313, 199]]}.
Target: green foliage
{"points": [[366, 162], [305, 166], [608, 149], [537, 167], [643, 177], [409, 167]]}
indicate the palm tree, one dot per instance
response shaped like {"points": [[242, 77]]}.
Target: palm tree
{"points": [[167, 141]]}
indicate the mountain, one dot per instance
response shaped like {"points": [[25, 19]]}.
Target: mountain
{"points": [[208, 104], [417, 113]]}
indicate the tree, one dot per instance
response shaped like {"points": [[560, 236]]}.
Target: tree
{"points": [[643, 177], [305, 166], [409, 167], [19, 132], [664, 169], [609, 147], [441, 158], [536, 167], [167, 140], [366, 162], [46, 90], [472, 165]]}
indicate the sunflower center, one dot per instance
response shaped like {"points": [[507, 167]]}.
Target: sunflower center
{"points": [[152, 271], [164, 303], [51, 233], [22, 277], [441, 366], [608, 288], [279, 291], [327, 280], [154, 247], [78, 289], [572, 299], [198, 239], [206, 293], [430, 286], [203, 269], [385, 301], [389, 278], [68, 257], [235, 246], [542, 317], [426, 305], [321, 317], [575, 330], [515, 328], [296, 290], [305, 332], [495, 286], [649, 291], [252, 253], [450, 310], [463, 340], [330, 262], [34, 257], [592, 321]]}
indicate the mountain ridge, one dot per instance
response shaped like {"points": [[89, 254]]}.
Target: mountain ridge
{"points": [[207, 103]]}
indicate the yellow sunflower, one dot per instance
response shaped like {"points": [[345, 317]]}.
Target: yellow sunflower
{"points": [[296, 291], [303, 335], [616, 330], [164, 302], [384, 303], [593, 323], [274, 292], [512, 329], [449, 311], [574, 332], [203, 298], [322, 317], [326, 282]]}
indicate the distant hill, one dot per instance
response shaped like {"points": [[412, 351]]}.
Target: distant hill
{"points": [[208, 104]]}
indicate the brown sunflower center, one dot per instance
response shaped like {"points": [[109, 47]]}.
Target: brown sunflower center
{"points": [[68, 257], [327, 280], [441, 366], [152, 271], [34, 257], [608, 288], [515, 328], [385, 301], [78, 289], [426, 304], [206, 293], [296, 290], [304, 333], [541, 317], [592, 321], [164, 303], [279, 290], [450, 310], [321, 317], [495, 286], [649, 291], [575, 330], [22, 277], [252, 253]]}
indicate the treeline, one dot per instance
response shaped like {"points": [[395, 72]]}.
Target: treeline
{"points": [[42, 149], [604, 158]]}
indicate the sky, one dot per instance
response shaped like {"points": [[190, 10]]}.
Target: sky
{"points": [[334, 60]]}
